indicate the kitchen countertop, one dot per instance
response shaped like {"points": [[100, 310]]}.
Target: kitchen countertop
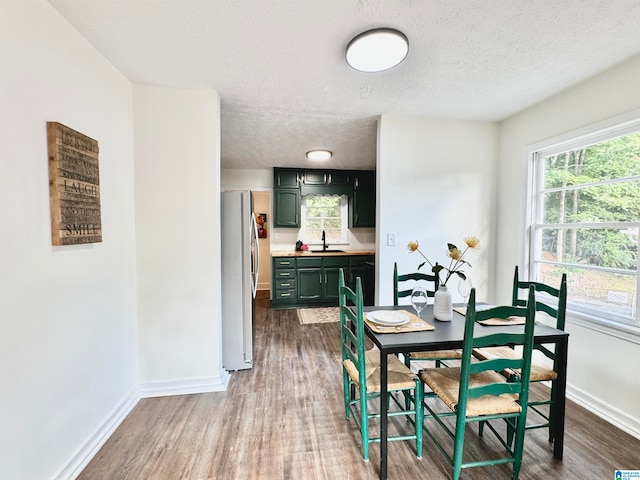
{"points": [[320, 254]]}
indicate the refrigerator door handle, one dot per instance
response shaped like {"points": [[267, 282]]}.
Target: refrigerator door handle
{"points": [[255, 267]]}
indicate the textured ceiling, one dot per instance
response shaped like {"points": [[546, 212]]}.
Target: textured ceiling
{"points": [[279, 67]]}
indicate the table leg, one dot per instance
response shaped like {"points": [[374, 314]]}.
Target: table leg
{"points": [[560, 405], [383, 415]]}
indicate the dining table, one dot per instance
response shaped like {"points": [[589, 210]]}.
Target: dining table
{"points": [[447, 335]]}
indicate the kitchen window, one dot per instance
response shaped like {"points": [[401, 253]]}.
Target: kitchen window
{"points": [[326, 213], [585, 221]]}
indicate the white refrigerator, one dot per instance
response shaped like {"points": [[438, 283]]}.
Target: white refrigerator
{"points": [[240, 260]]}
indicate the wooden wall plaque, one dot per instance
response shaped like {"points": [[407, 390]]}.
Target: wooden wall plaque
{"points": [[74, 186]]}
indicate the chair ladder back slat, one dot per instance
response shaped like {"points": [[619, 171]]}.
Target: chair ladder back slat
{"points": [[560, 294], [495, 389], [413, 277]]}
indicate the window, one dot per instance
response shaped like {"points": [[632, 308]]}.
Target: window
{"points": [[585, 221], [324, 212]]}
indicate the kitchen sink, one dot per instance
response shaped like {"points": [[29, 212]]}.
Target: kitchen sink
{"points": [[327, 251]]}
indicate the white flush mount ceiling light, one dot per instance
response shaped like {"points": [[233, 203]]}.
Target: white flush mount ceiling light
{"points": [[319, 155], [377, 50]]}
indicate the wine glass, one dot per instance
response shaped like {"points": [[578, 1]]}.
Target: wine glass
{"points": [[464, 287], [419, 299]]}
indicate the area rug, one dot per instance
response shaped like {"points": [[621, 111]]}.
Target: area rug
{"points": [[318, 315]]}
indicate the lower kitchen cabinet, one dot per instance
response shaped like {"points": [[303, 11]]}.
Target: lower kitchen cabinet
{"points": [[312, 281]]}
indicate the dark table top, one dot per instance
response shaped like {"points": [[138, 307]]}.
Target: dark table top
{"points": [[447, 335]]}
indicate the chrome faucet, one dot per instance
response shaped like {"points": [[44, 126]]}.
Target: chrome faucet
{"points": [[324, 241]]}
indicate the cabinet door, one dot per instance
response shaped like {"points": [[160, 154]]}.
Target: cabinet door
{"points": [[315, 178], [340, 177], [286, 208], [310, 283], [355, 272], [287, 178], [331, 281], [363, 206]]}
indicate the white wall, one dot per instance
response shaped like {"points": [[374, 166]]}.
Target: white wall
{"points": [[611, 392], [436, 185], [177, 165], [67, 314]]}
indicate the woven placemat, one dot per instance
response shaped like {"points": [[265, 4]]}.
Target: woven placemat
{"points": [[494, 321], [415, 324]]}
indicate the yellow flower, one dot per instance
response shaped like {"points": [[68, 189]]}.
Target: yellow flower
{"points": [[472, 242], [412, 246], [455, 253], [457, 263]]}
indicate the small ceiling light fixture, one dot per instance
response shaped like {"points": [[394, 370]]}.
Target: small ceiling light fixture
{"points": [[319, 155], [377, 50]]}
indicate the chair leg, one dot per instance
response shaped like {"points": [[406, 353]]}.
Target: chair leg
{"points": [[419, 417], [511, 432], [552, 423], [458, 447], [519, 439], [346, 387], [364, 427]]}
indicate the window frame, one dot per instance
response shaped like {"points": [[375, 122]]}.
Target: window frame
{"points": [[619, 126], [344, 220]]}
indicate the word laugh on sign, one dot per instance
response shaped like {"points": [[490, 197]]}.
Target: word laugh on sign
{"points": [[74, 186]]}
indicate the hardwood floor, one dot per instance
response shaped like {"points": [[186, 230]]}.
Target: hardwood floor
{"points": [[284, 419]]}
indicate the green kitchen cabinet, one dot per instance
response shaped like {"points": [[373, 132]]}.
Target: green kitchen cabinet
{"points": [[286, 208], [310, 284], [309, 275], [307, 281], [331, 272], [362, 211], [286, 178], [284, 281], [357, 269]]}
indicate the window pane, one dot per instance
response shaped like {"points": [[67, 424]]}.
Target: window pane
{"points": [[610, 160], [333, 223], [314, 235], [616, 202], [333, 236], [600, 247], [593, 290]]}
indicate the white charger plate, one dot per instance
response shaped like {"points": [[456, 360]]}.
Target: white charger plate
{"points": [[388, 318]]}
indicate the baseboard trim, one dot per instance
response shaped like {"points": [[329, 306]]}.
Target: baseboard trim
{"points": [[605, 411], [185, 386], [72, 468]]}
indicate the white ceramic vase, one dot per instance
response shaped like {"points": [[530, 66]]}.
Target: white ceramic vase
{"points": [[442, 305]]}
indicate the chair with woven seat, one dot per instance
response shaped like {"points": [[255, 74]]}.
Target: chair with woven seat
{"points": [[477, 392], [361, 375], [553, 302], [402, 287]]}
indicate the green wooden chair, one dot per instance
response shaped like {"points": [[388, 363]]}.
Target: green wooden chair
{"points": [[477, 392], [553, 302], [361, 375], [403, 285]]}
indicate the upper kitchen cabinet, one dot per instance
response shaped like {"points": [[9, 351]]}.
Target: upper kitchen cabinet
{"points": [[362, 207], [287, 208], [286, 192], [286, 178], [290, 185], [327, 182]]}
